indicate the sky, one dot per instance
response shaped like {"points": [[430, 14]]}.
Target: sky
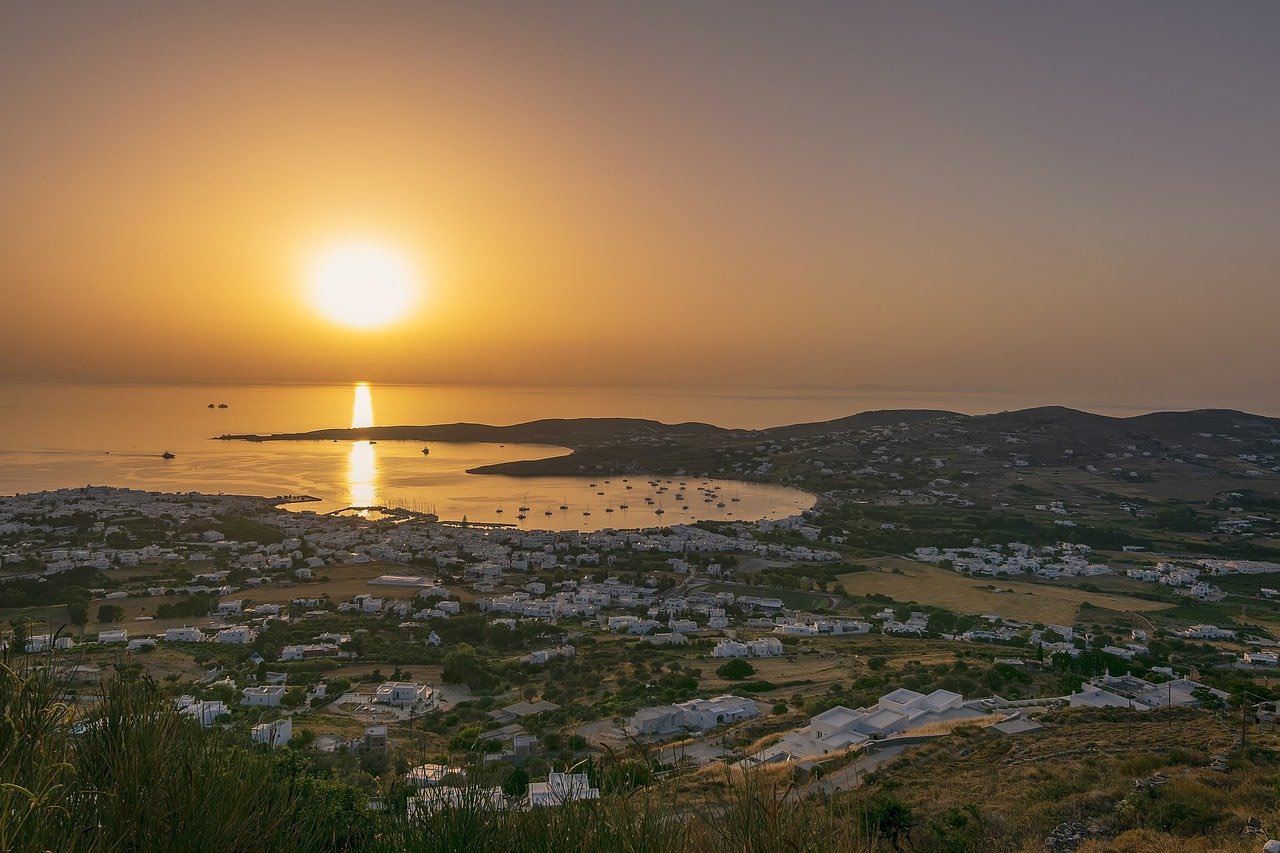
{"points": [[1060, 198]]}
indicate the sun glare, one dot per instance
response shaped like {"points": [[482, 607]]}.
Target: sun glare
{"points": [[362, 285], [362, 407]]}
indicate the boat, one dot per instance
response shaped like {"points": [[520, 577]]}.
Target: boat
{"points": [[167, 455], [622, 506], [223, 406], [608, 509], [548, 512], [211, 405], [499, 510], [426, 451], [659, 511], [522, 516], [586, 512], [735, 498], [720, 505], [685, 508]]}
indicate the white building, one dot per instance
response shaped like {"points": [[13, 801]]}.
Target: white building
{"points": [[402, 693], [42, 642], [274, 734], [426, 775], [206, 712], [729, 649], [701, 714], [428, 801], [561, 788], [184, 635], [268, 695], [239, 635], [841, 728]]}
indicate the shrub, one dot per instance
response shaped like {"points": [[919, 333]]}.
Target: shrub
{"points": [[735, 669], [108, 613]]}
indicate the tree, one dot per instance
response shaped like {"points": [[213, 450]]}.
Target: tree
{"points": [[20, 634], [892, 819], [735, 669], [78, 614], [293, 697], [222, 692], [463, 666], [517, 783], [108, 613]]}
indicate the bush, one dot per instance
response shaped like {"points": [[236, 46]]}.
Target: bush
{"points": [[757, 686], [735, 669], [108, 613]]}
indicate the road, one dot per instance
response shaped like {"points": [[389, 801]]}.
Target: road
{"points": [[851, 775]]}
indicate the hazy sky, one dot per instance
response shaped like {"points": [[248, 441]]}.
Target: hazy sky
{"points": [[1076, 198]]}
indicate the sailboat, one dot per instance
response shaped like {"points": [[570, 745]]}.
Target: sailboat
{"points": [[167, 455], [525, 504]]}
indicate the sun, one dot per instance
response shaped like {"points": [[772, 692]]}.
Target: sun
{"points": [[362, 285]]}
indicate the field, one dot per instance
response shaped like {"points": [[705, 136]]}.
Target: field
{"points": [[1028, 602], [343, 582], [1082, 767], [792, 598]]}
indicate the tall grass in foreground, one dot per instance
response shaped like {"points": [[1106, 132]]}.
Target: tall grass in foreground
{"points": [[745, 816], [128, 773]]}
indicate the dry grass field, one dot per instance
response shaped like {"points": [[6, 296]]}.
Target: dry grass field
{"points": [[1029, 602], [343, 583], [1082, 766]]}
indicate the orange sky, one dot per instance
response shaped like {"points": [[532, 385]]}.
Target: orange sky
{"points": [[722, 193]]}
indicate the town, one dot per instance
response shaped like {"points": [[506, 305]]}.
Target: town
{"points": [[466, 662]]}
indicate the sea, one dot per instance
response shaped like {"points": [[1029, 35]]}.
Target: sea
{"points": [[61, 435]]}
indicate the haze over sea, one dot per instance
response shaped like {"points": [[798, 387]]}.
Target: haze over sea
{"points": [[65, 435]]}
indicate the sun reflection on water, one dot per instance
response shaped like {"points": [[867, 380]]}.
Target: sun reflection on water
{"points": [[362, 474], [362, 407], [362, 462]]}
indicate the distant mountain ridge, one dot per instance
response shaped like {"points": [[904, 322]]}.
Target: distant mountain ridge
{"points": [[638, 444], [577, 431]]}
